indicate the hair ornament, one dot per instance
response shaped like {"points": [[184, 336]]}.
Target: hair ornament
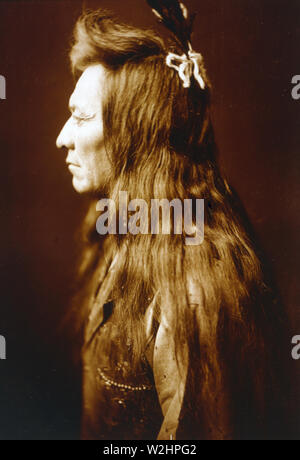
{"points": [[186, 66], [174, 15]]}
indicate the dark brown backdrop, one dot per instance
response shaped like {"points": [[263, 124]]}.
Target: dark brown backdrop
{"points": [[251, 49]]}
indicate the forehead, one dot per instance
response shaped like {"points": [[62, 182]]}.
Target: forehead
{"points": [[89, 89]]}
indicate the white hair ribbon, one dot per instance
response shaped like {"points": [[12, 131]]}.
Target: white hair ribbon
{"points": [[186, 65]]}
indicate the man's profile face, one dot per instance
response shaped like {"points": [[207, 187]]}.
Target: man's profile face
{"points": [[82, 135]]}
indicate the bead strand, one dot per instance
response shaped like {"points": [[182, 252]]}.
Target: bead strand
{"points": [[110, 382]]}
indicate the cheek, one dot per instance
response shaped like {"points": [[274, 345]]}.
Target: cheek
{"points": [[92, 155], [95, 137], [90, 142]]}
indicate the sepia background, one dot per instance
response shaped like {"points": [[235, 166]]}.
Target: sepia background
{"points": [[251, 49]]}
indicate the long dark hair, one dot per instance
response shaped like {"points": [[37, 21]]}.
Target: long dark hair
{"points": [[160, 141]]}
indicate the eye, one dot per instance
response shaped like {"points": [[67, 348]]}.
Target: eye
{"points": [[78, 118]]}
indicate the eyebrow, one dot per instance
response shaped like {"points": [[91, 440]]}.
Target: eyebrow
{"points": [[72, 107]]}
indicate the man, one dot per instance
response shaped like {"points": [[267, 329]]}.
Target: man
{"points": [[175, 335]]}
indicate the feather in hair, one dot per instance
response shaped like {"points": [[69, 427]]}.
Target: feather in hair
{"points": [[175, 17]]}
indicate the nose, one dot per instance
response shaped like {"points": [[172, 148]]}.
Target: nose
{"points": [[65, 137]]}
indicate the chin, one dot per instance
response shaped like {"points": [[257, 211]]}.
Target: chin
{"points": [[81, 186], [84, 188]]}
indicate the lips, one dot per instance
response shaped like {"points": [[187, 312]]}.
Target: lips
{"points": [[73, 168], [71, 163]]}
